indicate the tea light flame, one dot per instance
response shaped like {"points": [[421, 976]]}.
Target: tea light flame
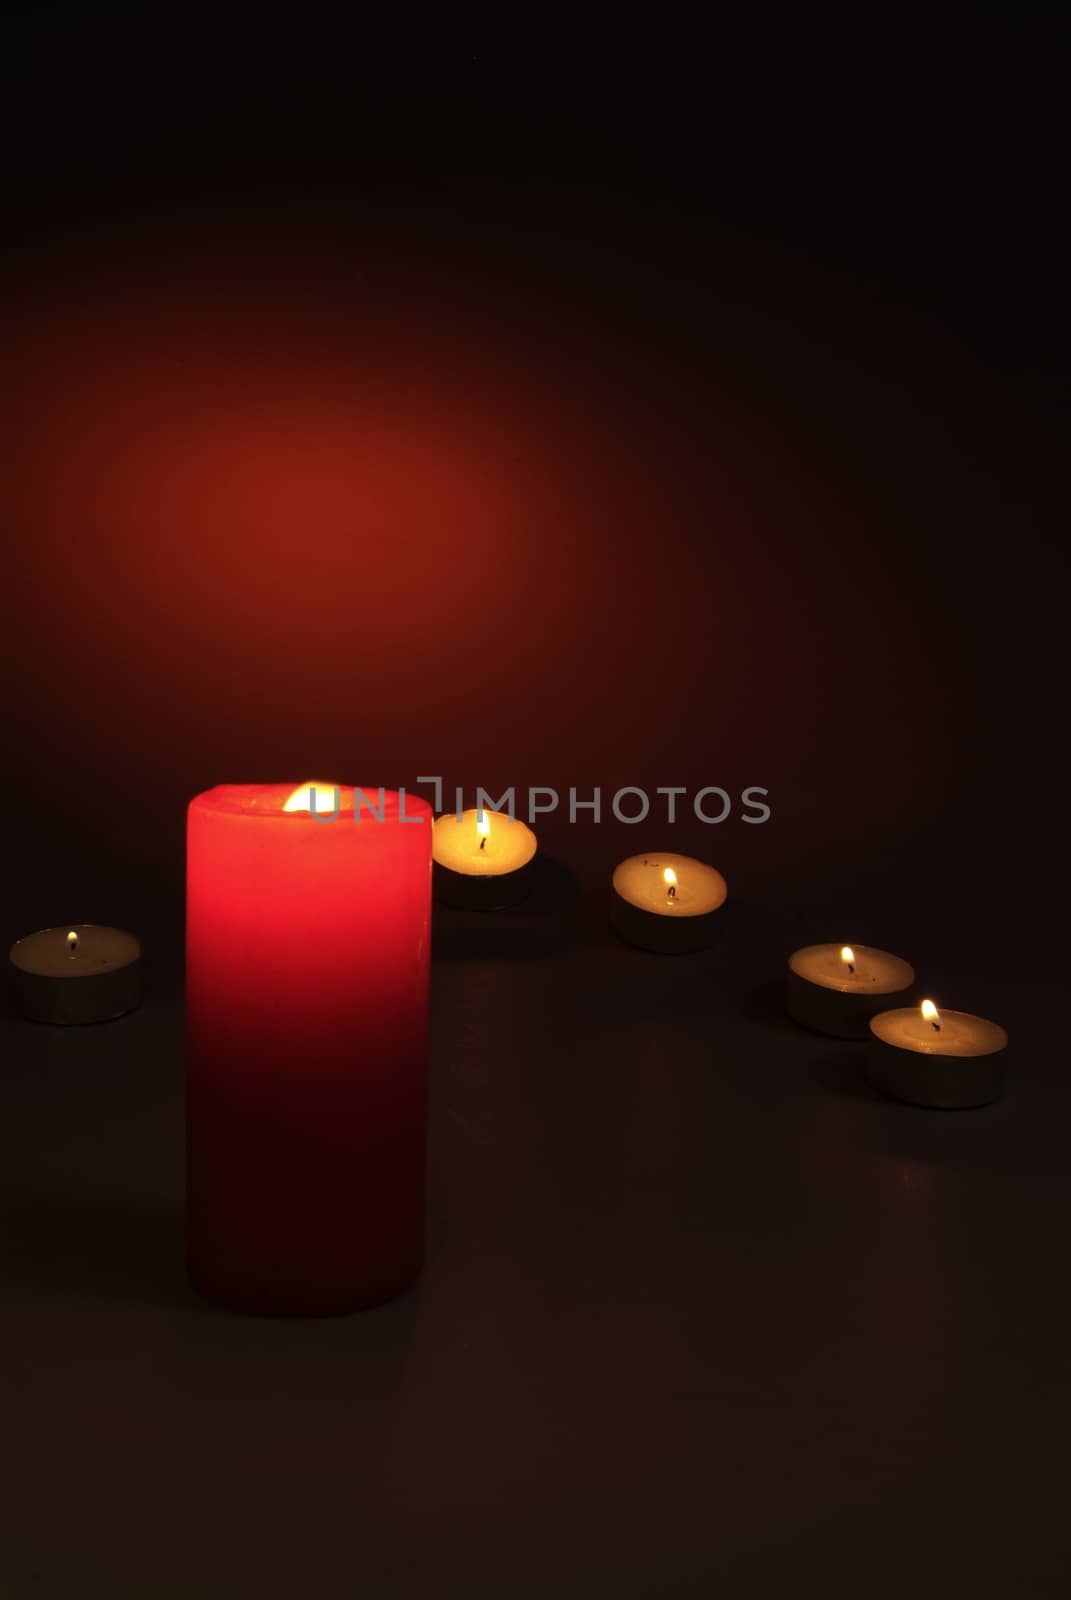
{"points": [[669, 878], [931, 1014], [847, 955], [483, 827], [301, 799], [72, 943]]}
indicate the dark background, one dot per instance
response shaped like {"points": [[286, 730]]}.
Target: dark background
{"points": [[543, 422]]}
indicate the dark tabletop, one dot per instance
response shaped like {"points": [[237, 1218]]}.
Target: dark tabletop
{"points": [[698, 1305]]}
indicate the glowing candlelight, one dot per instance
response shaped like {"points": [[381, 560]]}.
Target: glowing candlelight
{"points": [[667, 903], [87, 973], [305, 1059], [477, 869], [307, 796], [928, 1057], [836, 988]]}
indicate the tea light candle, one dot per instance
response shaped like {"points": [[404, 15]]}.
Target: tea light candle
{"points": [[666, 903], [76, 974], [837, 988], [927, 1057], [483, 860]]}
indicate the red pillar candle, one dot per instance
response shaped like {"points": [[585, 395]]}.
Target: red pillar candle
{"points": [[307, 949]]}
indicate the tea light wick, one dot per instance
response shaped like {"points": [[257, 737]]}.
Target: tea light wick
{"points": [[483, 827], [670, 880], [931, 1015], [847, 955], [72, 944]]}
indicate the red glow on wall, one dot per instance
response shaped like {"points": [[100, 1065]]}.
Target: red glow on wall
{"points": [[306, 525]]}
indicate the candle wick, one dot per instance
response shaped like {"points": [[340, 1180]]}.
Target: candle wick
{"points": [[671, 892], [851, 966], [936, 1026], [483, 841]]}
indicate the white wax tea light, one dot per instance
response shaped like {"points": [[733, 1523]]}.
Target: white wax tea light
{"points": [[836, 988], [483, 859], [666, 903], [77, 974], [928, 1057]]}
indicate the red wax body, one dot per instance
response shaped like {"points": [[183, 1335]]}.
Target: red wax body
{"points": [[307, 948]]}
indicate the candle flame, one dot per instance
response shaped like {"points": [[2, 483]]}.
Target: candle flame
{"points": [[669, 877], [930, 1012], [847, 955], [72, 942], [483, 823], [300, 799]]}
